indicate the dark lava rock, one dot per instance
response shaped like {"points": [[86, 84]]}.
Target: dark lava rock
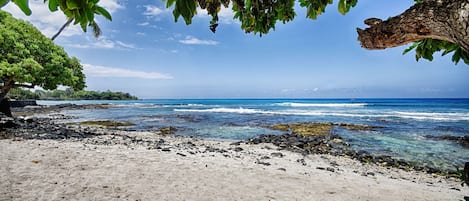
{"points": [[213, 149], [334, 145], [277, 154], [6, 122], [263, 163], [238, 149], [330, 169], [462, 140], [180, 154], [466, 173], [168, 130], [236, 143], [265, 157], [43, 128], [5, 107], [302, 161]]}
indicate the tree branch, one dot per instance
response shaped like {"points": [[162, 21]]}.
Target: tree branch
{"points": [[436, 19]]}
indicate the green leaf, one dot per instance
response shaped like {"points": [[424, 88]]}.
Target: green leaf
{"points": [[89, 14], [53, 5], [176, 15], [456, 56], [73, 4], [342, 7], [100, 10], [170, 3], [23, 5], [427, 47], [410, 48]]}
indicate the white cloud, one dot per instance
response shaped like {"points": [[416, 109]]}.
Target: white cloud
{"points": [[126, 45], [104, 43], [102, 71], [50, 22], [190, 40], [141, 34], [225, 16], [143, 24], [110, 5], [46, 21], [154, 11]]}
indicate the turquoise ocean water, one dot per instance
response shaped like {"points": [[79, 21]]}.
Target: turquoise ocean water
{"points": [[406, 123]]}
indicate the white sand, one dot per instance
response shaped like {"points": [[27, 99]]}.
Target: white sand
{"points": [[77, 170]]}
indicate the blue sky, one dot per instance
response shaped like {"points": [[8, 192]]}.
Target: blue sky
{"points": [[142, 51]]}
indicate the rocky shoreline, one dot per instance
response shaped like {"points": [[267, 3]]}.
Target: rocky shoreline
{"points": [[305, 138]]}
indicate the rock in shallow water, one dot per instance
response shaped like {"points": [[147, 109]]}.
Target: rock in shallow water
{"points": [[462, 140]]}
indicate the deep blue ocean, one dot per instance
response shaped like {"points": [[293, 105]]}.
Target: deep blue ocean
{"points": [[406, 123]]}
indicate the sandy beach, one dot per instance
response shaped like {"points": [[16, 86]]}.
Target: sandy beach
{"points": [[122, 165]]}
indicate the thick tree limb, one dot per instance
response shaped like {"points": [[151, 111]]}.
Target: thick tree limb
{"points": [[436, 19]]}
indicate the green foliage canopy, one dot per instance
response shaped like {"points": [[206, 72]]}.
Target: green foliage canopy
{"points": [[68, 94], [28, 59], [21, 94]]}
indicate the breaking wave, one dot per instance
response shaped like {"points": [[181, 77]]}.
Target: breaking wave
{"points": [[293, 104], [395, 114]]}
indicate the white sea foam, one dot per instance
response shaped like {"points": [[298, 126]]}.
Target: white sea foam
{"points": [[224, 110], [195, 105], [293, 104], [282, 112], [439, 116], [396, 114]]}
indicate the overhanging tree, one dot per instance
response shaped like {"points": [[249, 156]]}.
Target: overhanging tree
{"points": [[433, 25], [29, 59], [77, 11]]}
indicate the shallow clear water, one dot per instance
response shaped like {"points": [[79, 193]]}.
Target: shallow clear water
{"points": [[406, 122]]}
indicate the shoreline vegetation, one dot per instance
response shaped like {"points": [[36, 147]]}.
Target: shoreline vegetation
{"points": [[102, 160], [68, 94]]}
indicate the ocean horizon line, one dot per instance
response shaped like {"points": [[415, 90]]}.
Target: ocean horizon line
{"points": [[452, 98]]}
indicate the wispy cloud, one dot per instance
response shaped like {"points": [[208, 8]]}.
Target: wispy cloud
{"points": [[148, 24], [125, 45], [190, 40], [104, 43], [154, 11], [143, 24], [111, 5], [102, 71]]}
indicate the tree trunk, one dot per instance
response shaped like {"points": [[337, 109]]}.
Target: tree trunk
{"points": [[7, 85], [4, 104], [62, 28], [436, 19]]}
